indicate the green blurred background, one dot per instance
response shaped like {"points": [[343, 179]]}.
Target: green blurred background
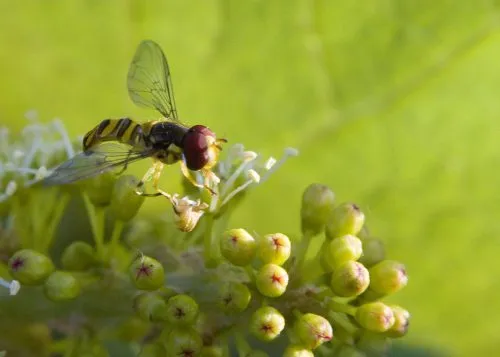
{"points": [[394, 104]]}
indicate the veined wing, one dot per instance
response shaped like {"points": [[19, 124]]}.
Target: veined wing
{"points": [[149, 83], [103, 158]]}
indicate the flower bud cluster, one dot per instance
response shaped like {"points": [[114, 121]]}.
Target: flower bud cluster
{"points": [[189, 285]]}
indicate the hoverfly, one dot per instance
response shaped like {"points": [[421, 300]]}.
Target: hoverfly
{"points": [[115, 143]]}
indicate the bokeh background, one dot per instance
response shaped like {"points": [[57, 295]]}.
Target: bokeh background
{"points": [[394, 104]]}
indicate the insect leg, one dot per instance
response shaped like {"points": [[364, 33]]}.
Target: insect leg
{"points": [[187, 175], [124, 166], [147, 176], [158, 168]]}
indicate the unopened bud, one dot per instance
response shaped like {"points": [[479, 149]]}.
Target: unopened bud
{"points": [[234, 297], [267, 323], [151, 307], [401, 322], [388, 277], [182, 310], [341, 250], [317, 206], [350, 279], [313, 330], [99, 189], [125, 202], [375, 316], [61, 286], [147, 273], [271, 280], [346, 219], [182, 342], [30, 267], [297, 351], [373, 252], [274, 248], [238, 247], [78, 256]]}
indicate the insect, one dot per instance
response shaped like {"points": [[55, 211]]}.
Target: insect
{"points": [[115, 143]]}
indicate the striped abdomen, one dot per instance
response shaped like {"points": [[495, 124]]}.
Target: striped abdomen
{"points": [[124, 131]]}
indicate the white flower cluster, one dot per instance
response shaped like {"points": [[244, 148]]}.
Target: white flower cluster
{"points": [[25, 160]]}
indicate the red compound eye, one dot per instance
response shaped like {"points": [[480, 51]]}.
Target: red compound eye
{"points": [[196, 147]]}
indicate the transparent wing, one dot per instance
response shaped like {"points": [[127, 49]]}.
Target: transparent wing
{"points": [[103, 158], [149, 83]]}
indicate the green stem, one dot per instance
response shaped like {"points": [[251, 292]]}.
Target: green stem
{"points": [[96, 217], [207, 239], [54, 221], [341, 320], [241, 345], [340, 307], [303, 249], [115, 237]]}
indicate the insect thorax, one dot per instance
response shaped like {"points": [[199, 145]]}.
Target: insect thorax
{"points": [[166, 138]]}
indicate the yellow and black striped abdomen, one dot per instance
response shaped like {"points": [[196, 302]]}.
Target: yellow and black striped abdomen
{"points": [[124, 131]]}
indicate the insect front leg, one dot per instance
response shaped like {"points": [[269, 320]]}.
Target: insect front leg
{"points": [[189, 177], [153, 173]]}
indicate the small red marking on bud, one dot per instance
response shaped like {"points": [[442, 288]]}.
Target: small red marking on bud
{"points": [[277, 278], [187, 353], [227, 299], [277, 243], [144, 270], [266, 328], [179, 313], [17, 264]]}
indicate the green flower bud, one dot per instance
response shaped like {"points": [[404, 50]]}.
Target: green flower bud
{"points": [[341, 250], [151, 307], [182, 310], [257, 353], [313, 330], [401, 322], [78, 256], [61, 286], [125, 202], [388, 277], [274, 248], [350, 279], [182, 342], [99, 189], [234, 297], [147, 273], [317, 206], [271, 280], [373, 252], [297, 351], [212, 351], [346, 219], [375, 316], [267, 323], [238, 247], [153, 350], [30, 267]]}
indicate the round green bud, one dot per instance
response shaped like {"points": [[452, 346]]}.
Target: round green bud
{"points": [[147, 273], [182, 342], [388, 277], [256, 353], [341, 250], [78, 256], [266, 323], [350, 279], [234, 297], [30, 267], [61, 286], [297, 351], [151, 307], [155, 349], [271, 280], [375, 316], [316, 208], [182, 310], [125, 202], [313, 330], [346, 219], [373, 252], [401, 322], [212, 351], [238, 247], [99, 189], [274, 248]]}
